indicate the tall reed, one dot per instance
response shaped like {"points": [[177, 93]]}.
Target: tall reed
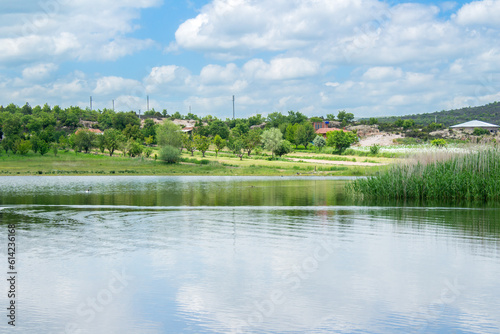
{"points": [[474, 175]]}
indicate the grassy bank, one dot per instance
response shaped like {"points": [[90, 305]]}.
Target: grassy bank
{"points": [[453, 176], [69, 163]]}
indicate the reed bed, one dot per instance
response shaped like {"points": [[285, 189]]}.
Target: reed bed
{"points": [[473, 175]]}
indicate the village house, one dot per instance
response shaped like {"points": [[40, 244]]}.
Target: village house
{"points": [[470, 126]]}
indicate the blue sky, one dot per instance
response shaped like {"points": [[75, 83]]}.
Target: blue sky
{"points": [[368, 57]]}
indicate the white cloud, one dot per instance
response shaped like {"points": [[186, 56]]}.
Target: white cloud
{"points": [[273, 55], [39, 72], [271, 25], [281, 68], [71, 30], [382, 73], [212, 74], [113, 85], [481, 13]]}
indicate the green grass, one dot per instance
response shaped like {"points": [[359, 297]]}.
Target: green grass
{"points": [[69, 163], [473, 176]]}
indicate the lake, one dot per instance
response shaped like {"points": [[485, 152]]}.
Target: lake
{"points": [[147, 254]]}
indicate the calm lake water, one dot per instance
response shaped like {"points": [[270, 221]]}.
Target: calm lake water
{"points": [[243, 255]]}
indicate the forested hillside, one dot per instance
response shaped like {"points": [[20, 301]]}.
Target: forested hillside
{"points": [[488, 113]]}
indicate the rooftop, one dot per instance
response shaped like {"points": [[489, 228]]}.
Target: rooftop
{"points": [[475, 124]]}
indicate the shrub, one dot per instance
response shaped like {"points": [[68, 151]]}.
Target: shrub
{"points": [[374, 149], [148, 151], [439, 142], [319, 142], [480, 132], [169, 154]]}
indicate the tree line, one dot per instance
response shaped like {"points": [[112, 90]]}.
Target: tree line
{"points": [[45, 128]]}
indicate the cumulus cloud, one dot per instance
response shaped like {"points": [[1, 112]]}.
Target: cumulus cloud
{"points": [[110, 85], [317, 56], [39, 72], [69, 30], [482, 13], [240, 25], [282, 68]]}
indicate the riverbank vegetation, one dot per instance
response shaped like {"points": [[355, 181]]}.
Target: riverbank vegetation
{"points": [[472, 175]]}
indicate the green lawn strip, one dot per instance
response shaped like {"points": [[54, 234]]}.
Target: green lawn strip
{"points": [[69, 163]]}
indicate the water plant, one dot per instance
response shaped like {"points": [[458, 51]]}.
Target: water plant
{"points": [[474, 175]]}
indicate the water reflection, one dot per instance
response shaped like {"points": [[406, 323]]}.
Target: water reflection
{"points": [[233, 260]]}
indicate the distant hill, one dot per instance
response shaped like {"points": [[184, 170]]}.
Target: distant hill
{"points": [[488, 113]]}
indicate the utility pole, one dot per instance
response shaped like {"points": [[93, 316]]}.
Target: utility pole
{"points": [[91, 103], [148, 103], [233, 106], [113, 105]]}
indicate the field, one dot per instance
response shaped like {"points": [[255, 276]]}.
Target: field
{"points": [[69, 163]]}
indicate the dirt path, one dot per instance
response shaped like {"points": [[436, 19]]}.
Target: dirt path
{"points": [[345, 163]]}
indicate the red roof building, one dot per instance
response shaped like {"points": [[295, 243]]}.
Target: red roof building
{"points": [[324, 131]]}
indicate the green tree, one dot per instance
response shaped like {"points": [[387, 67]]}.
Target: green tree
{"points": [[34, 140], [12, 126], [275, 119], [169, 133], [149, 129], [237, 146], [330, 117], [176, 115], [202, 144], [133, 132], [319, 142], [101, 143], [43, 147], [296, 117], [121, 120], [345, 117], [26, 109], [23, 146], [170, 154], [188, 144], [304, 134], [84, 139], [149, 140], [256, 120], [398, 123], [219, 144], [218, 127], [252, 140], [105, 119], [290, 133], [341, 140], [284, 147], [134, 148], [408, 123], [113, 139], [373, 121], [272, 139]]}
